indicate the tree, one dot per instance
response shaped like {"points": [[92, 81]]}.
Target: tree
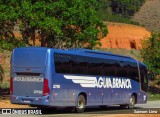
{"points": [[8, 18], [126, 7], [150, 52], [58, 23]]}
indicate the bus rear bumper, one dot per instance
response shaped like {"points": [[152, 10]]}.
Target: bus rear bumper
{"points": [[29, 100], [40, 101]]}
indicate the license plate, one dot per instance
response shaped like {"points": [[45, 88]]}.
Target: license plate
{"points": [[26, 101]]}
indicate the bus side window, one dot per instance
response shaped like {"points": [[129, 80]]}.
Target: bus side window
{"points": [[144, 79], [133, 72], [121, 69], [79, 65], [95, 66], [109, 68], [62, 63], [143, 76]]}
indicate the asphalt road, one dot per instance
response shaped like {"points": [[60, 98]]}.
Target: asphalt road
{"points": [[151, 106]]}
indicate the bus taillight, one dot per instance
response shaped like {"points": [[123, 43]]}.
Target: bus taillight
{"points": [[46, 89], [11, 86]]}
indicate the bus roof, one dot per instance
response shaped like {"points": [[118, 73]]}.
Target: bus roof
{"points": [[85, 52], [98, 52], [95, 53]]}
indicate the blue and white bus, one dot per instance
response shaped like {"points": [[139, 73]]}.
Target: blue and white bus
{"points": [[46, 77]]}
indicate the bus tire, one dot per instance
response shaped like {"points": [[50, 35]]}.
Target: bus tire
{"points": [[80, 106], [103, 106], [124, 106], [132, 101]]}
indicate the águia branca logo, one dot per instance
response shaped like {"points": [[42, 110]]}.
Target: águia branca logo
{"points": [[100, 82]]}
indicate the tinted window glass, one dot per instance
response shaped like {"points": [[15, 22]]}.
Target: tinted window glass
{"points": [[109, 68], [63, 63], [125, 70], [133, 71], [144, 79], [95, 66], [79, 65], [121, 69], [74, 64]]}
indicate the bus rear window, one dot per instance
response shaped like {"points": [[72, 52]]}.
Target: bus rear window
{"points": [[29, 58]]}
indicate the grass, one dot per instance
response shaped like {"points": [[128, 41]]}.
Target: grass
{"points": [[117, 18], [120, 19], [152, 97]]}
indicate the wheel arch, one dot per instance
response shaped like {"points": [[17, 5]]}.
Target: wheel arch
{"points": [[135, 95]]}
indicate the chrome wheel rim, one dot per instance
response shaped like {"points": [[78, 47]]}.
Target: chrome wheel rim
{"points": [[131, 102], [80, 104]]}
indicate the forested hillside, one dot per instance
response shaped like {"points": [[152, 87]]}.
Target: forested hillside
{"points": [[61, 24], [119, 10]]}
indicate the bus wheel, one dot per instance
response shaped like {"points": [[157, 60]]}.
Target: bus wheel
{"points": [[132, 102], [80, 104]]}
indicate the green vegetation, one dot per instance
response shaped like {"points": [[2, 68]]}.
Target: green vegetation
{"points": [[11, 43], [59, 24], [119, 10], [119, 18], [4, 85], [152, 97], [150, 52], [126, 7], [63, 23]]}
